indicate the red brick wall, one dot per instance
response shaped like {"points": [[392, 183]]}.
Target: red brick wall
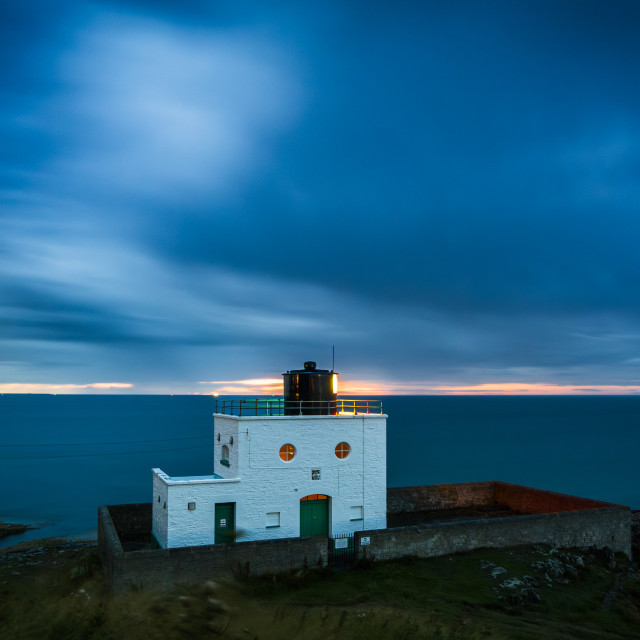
{"points": [[528, 500]]}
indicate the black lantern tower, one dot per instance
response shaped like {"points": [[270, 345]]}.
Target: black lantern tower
{"points": [[310, 391]]}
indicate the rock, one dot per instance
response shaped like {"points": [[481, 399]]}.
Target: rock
{"points": [[217, 606], [552, 567], [486, 564], [210, 586], [529, 595], [498, 571], [512, 583]]}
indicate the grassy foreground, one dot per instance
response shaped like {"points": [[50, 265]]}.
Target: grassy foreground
{"points": [[53, 589]]}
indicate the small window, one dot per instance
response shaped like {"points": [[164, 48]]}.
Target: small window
{"points": [[287, 452], [343, 449], [273, 519], [231, 440], [191, 506], [356, 513], [225, 452]]}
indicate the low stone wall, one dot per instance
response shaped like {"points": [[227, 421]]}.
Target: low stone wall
{"points": [[604, 527], [132, 521], [528, 500], [550, 518], [440, 496], [159, 569], [493, 492]]}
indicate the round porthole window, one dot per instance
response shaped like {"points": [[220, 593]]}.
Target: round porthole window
{"points": [[342, 450], [287, 452]]}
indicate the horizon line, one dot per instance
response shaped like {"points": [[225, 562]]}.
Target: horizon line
{"points": [[273, 387]]}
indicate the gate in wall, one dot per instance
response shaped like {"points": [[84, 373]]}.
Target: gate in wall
{"points": [[342, 552]]}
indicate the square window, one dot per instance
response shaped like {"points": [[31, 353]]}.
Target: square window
{"points": [[357, 513], [273, 519], [191, 506], [315, 474]]}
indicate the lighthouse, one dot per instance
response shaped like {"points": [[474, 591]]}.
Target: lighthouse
{"points": [[309, 463]]}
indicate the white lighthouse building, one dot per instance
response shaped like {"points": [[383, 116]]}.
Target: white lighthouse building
{"points": [[306, 464]]}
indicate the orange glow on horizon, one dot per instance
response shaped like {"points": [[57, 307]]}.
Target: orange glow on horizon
{"points": [[353, 388], [273, 386], [250, 386], [497, 388]]}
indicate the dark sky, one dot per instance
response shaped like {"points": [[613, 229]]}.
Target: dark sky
{"points": [[217, 191]]}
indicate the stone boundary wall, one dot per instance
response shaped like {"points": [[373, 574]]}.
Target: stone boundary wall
{"points": [[160, 569], [131, 520], [439, 496], [525, 500], [599, 527], [567, 522], [528, 500]]}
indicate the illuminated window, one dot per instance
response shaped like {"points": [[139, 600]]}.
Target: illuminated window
{"points": [[342, 450], [314, 496], [287, 451]]}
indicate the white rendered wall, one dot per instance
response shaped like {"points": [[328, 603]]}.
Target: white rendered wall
{"points": [[225, 433], [160, 517], [193, 527], [259, 482]]}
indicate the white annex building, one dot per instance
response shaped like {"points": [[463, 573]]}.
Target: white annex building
{"points": [[308, 464]]}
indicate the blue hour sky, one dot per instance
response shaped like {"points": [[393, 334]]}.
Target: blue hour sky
{"points": [[197, 195]]}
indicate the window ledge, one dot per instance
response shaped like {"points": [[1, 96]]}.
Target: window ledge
{"points": [[225, 463], [273, 526]]}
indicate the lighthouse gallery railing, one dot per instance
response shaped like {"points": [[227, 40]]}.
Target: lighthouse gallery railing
{"points": [[281, 407]]}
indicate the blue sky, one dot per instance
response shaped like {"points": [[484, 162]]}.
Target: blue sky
{"points": [[194, 194]]}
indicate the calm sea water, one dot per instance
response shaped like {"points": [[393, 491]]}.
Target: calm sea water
{"points": [[62, 456]]}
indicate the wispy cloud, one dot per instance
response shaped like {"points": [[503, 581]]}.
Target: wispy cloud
{"points": [[158, 113], [18, 387], [260, 386]]}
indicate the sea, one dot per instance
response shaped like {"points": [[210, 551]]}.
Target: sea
{"points": [[61, 456]]}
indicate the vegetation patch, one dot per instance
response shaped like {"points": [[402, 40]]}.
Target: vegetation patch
{"points": [[57, 591]]}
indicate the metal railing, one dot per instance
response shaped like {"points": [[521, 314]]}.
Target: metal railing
{"points": [[282, 407]]}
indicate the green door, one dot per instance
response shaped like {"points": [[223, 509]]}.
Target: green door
{"points": [[314, 516], [225, 522]]}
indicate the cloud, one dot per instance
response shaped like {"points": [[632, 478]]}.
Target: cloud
{"points": [[213, 193], [158, 113], [61, 388]]}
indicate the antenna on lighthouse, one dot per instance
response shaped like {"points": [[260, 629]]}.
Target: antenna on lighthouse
{"points": [[333, 359]]}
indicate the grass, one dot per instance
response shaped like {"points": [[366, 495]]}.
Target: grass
{"points": [[60, 594]]}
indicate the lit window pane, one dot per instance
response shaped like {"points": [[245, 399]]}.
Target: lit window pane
{"points": [[342, 450], [287, 452]]}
